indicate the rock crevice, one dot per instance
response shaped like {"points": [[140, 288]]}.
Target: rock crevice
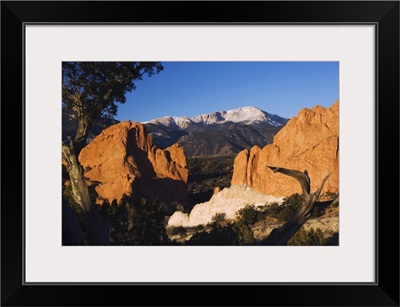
{"points": [[309, 142], [122, 160]]}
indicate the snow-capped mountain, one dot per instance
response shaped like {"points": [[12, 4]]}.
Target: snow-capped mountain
{"points": [[218, 133], [245, 115]]}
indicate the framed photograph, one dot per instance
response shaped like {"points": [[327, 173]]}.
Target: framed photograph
{"points": [[243, 147]]}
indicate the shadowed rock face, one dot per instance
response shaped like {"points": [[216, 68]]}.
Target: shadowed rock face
{"points": [[122, 160], [309, 142]]}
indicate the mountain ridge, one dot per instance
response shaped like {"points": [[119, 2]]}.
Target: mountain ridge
{"points": [[221, 133], [243, 115]]}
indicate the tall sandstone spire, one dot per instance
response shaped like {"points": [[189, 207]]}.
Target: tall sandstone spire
{"points": [[309, 142]]}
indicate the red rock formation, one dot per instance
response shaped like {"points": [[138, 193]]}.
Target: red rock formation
{"points": [[309, 141], [122, 160]]}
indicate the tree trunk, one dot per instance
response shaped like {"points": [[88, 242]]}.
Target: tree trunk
{"points": [[97, 226], [281, 235], [80, 192], [81, 134]]}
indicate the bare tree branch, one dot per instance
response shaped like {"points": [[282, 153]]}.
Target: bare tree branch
{"points": [[301, 177], [281, 235]]}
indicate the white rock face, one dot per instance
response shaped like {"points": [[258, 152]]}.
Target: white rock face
{"points": [[228, 201]]}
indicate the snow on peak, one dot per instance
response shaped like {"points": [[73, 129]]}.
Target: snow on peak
{"points": [[246, 115], [243, 115]]}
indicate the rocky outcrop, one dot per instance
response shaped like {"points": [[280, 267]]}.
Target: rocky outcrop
{"points": [[309, 142], [228, 201], [122, 160]]}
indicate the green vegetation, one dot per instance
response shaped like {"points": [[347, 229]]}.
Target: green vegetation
{"points": [[288, 208], [216, 234], [240, 230], [218, 218], [223, 232], [142, 222], [206, 173], [210, 171], [86, 88], [135, 222], [178, 231], [199, 228], [311, 237], [250, 215], [245, 219]]}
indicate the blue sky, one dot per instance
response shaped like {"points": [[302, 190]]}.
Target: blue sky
{"points": [[194, 88]]}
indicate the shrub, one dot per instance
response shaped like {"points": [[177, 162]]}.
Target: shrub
{"points": [[286, 210], [199, 228], [273, 210], [217, 236], [247, 215], [311, 237], [244, 233], [218, 218], [178, 231], [290, 206], [138, 222]]}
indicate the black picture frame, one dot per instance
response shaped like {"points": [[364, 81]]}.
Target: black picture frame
{"points": [[383, 14]]}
